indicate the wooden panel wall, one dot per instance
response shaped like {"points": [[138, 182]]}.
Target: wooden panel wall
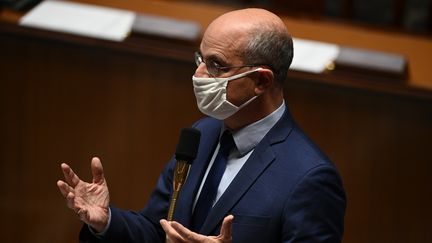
{"points": [[66, 103]]}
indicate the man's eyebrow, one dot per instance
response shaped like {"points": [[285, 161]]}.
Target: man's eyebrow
{"points": [[216, 58]]}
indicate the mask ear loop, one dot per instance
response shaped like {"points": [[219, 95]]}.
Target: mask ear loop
{"points": [[266, 70], [241, 75], [237, 76], [247, 102]]}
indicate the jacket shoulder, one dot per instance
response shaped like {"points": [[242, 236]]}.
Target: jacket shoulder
{"points": [[208, 124]]}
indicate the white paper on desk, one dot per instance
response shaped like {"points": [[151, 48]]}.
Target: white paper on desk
{"points": [[313, 56], [81, 19]]}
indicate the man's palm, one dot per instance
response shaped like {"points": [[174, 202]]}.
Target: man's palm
{"points": [[89, 200]]}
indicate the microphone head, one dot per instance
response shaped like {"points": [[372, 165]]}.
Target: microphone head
{"points": [[187, 146]]}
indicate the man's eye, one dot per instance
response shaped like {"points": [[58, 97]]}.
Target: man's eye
{"points": [[216, 65], [219, 67]]}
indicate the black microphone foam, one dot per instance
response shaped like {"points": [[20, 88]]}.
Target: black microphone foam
{"points": [[187, 146]]}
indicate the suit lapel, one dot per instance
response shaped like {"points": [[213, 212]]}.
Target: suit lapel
{"points": [[259, 160]]}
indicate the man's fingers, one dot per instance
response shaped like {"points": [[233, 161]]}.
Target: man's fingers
{"points": [[97, 170], [68, 193], [171, 233], [70, 201], [64, 188], [185, 233], [71, 178], [82, 214], [226, 229]]}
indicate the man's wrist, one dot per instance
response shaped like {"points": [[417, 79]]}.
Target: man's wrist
{"points": [[101, 230]]}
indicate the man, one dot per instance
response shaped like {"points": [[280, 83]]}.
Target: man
{"points": [[274, 184]]}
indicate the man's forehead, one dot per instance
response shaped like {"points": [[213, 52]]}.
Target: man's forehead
{"points": [[228, 39]]}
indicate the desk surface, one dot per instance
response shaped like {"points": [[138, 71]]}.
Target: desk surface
{"points": [[416, 49]]}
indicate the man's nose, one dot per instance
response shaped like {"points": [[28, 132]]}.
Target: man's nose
{"points": [[201, 71]]}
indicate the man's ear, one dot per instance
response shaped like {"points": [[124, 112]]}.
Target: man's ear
{"points": [[264, 81]]}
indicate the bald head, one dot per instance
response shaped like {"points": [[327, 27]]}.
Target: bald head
{"points": [[255, 35], [246, 19]]}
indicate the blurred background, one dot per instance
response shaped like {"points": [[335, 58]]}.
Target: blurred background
{"points": [[411, 15], [67, 98]]}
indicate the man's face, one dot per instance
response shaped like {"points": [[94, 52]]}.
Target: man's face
{"points": [[220, 47]]}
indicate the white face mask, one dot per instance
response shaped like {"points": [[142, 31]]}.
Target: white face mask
{"points": [[211, 98]]}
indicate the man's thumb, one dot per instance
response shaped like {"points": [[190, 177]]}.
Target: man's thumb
{"points": [[97, 170], [226, 229]]}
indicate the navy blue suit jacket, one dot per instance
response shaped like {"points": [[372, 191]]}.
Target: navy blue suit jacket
{"points": [[287, 191]]}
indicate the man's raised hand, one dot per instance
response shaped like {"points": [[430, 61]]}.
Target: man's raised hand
{"points": [[89, 200]]}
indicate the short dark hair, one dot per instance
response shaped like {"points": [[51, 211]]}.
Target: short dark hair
{"points": [[269, 46]]}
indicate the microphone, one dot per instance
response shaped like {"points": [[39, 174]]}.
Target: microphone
{"points": [[186, 152]]}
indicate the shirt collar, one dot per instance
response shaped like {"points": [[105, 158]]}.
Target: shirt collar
{"points": [[248, 137]]}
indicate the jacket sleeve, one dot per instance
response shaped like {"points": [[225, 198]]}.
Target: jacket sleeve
{"points": [[315, 210]]}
